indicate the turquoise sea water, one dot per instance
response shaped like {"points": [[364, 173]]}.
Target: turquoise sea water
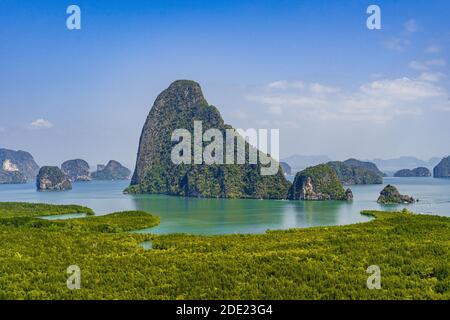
{"points": [[222, 216]]}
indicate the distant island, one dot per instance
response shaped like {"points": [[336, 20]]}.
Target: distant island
{"points": [[353, 172], [417, 172], [17, 167], [114, 170], [299, 162], [77, 170]]}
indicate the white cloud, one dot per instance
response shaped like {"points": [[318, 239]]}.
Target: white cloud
{"points": [[437, 63], [284, 85], [378, 101], [396, 44], [410, 25], [433, 49], [41, 124], [431, 76], [319, 88], [425, 65]]}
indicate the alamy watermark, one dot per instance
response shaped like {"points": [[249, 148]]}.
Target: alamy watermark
{"points": [[373, 22], [73, 21], [74, 279], [241, 146], [374, 280]]}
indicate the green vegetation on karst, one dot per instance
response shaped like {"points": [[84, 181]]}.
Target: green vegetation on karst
{"points": [[413, 252]]}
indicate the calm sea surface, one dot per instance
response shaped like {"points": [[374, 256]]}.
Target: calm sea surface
{"points": [[221, 216]]}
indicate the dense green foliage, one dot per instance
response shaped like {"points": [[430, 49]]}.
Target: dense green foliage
{"points": [[317, 183], [351, 175], [412, 251], [366, 165], [178, 107], [22, 209]]}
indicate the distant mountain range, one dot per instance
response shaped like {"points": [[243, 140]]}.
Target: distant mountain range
{"points": [[392, 165], [300, 162], [389, 166]]}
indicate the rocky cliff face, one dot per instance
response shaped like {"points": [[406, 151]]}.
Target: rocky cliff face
{"points": [[178, 107], [12, 177], [442, 170], [286, 168], [113, 171], [52, 179], [366, 165], [17, 166], [390, 195], [353, 175], [77, 170], [318, 183], [417, 172]]}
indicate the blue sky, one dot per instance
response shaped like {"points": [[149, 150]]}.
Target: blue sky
{"points": [[310, 68]]}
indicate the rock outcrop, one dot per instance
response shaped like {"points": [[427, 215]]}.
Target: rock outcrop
{"points": [[77, 170], [12, 177], [52, 179], [390, 195], [366, 165], [112, 171], [442, 170], [178, 107], [17, 166], [352, 175], [318, 183], [417, 172]]}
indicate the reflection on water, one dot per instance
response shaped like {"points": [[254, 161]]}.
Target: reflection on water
{"points": [[64, 216], [220, 216]]}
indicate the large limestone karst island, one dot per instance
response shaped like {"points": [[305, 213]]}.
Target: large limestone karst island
{"points": [[178, 107], [17, 167]]}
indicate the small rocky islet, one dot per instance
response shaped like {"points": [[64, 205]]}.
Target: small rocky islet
{"points": [[318, 183], [52, 178], [390, 195]]}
